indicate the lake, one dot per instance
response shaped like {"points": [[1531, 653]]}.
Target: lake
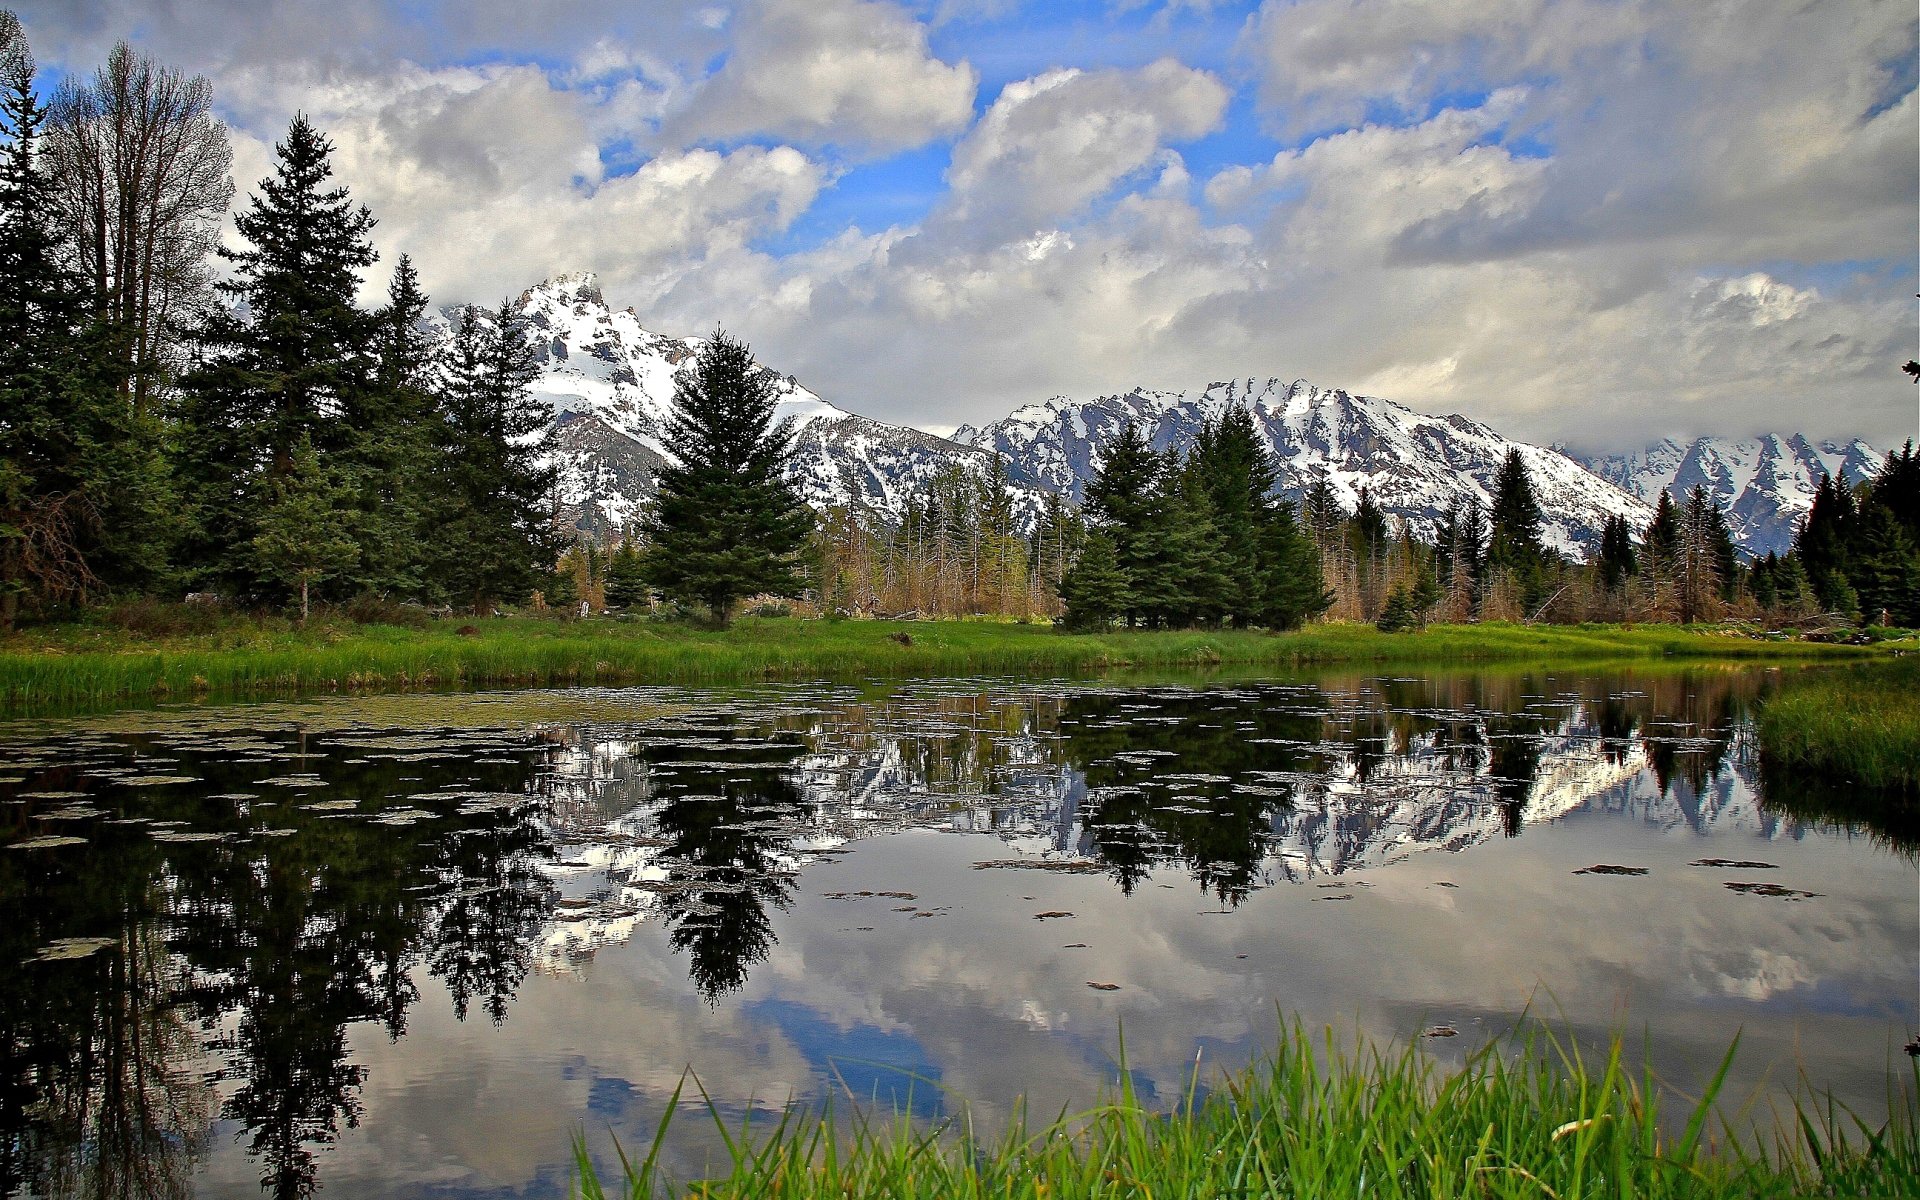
{"points": [[410, 946]]}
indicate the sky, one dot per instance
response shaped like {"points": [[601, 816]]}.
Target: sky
{"points": [[1592, 222]]}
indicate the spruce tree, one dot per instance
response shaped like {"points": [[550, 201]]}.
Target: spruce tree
{"points": [[1122, 501], [1094, 591], [391, 438], [1616, 560], [68, 448], [285, 366], [1296, 585], [1513, 538], [726, 523], [1662, 538], [626, 577], [494, 538], [305, 526]]}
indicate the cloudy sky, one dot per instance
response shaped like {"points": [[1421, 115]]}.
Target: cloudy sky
{"points": [[1594, 221]]}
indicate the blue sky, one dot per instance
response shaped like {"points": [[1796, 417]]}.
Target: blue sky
{"points": [[1593, 221]]}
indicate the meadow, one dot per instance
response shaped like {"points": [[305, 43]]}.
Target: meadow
{"points": [[100, 663]]}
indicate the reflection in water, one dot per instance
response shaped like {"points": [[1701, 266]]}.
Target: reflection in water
{"points": [[256, 894]]}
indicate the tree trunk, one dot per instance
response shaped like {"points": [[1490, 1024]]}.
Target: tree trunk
{"points": [[303, 602]]}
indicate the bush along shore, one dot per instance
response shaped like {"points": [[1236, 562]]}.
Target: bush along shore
{"points": [[1524, 1118], [105, 664]]}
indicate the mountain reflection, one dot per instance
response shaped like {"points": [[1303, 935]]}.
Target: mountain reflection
{"points": [[258, 900]]}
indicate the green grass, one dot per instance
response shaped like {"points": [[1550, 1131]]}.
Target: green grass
{"points": [[1528, 1118], [93, 665], [1857, 728]]}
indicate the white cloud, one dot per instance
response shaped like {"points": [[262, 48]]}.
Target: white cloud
{"points": [[854, 74], [1052, 144]]}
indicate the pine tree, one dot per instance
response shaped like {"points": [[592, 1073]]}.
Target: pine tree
{"points": [[305, 532], [66, 441], [1822, 542], [286, 365], [1884, 569], [494, 537], [1094, 591], [1238, 476], [1399, 612], [726, 523]]}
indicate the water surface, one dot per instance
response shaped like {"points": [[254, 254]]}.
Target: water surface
{"points": [[409, 946]]}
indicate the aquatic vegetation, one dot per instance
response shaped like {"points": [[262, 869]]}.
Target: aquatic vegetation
{"points": [[1527, 1117], [1858, 727]]}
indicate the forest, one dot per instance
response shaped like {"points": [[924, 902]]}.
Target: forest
{"points": [[182, 418]]}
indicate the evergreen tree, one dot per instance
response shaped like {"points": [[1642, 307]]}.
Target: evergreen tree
{"points": [[1196, 561], [1122, 501], [726, 524], [67, 444], [1513, 538], [1426, 591], [305, 532], [1616, 561], [1662, 538], [494, 536], [561, 590], [1296, 585], [1094, 591], [1821, 544], [1233, 467], [1399, 612], [392, 435], [626, 577], [282, 368], [1884, 569]]}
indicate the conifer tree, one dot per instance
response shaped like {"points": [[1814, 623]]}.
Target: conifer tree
{"points": [[1513, 538], [1094, 591], [392, 436], [494, 536], [282, 369], [1616, 560], [66, 443], [1822, 542], [1296, 585], [305, 532], [626, 577], [726, 524], [1122, 502]]}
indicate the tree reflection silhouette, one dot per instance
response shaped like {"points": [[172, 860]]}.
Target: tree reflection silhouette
{"points": [[274, 944]]}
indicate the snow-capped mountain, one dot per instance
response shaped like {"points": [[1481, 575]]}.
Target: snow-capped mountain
{"points": [[1413, 465], [609, 382], [1765, 484]]}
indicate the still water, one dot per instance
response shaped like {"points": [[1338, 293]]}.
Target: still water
{"points": [[410, 946]]}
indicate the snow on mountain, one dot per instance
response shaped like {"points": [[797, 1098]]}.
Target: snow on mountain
{"points": [[609, 382], [1765, 484], [1413, 465]]}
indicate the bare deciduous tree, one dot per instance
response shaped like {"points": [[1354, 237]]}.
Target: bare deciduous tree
{"points": [[142, 168]]}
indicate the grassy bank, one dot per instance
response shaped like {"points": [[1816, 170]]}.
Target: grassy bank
{"points": [[92, 665], [1857, 729], [1529, 1120]]}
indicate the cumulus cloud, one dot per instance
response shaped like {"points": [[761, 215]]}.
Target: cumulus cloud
{"points": [[1052, 144], [855, 74], [492, 179], [1586, 220]]}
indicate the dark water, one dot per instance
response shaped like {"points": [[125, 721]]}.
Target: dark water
{"points": [[410, 946]]}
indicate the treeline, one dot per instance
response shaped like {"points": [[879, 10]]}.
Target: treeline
{"points": [[261, 437]]}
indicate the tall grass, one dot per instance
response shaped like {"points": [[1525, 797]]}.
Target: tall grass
{"points": [[1529, 1118], [92, 665], [1857, 728]]}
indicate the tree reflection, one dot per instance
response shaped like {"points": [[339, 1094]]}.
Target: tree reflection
{"points": [[242, 955]]}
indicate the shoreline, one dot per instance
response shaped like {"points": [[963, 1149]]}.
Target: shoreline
{"points": [[58, 667]]}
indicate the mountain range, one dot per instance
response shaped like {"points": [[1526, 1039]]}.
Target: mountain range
{"points": [[609, 383]]}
